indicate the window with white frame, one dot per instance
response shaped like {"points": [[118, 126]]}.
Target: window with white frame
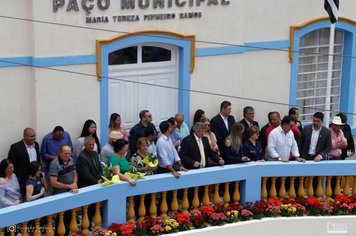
{"points": [[312, 72]]}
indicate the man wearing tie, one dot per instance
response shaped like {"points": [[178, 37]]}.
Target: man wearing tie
{"points": [[195, 149], [221, 125], [22, 154], [248, 121]]}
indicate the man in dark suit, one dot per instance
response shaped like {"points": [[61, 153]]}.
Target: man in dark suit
{"points": [[248, 121], [22, 154], [89, 170], [221, 125], [88, 166], [195, 149], [315, 140]]}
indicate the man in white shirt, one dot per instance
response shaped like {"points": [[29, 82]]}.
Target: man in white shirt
{"points": [[22, 154], [281, 142], [315, 140]]}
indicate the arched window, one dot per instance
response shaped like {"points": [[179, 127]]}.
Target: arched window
{"points": [[312, 72], [123, 56], [136, 54], [155, 54]]}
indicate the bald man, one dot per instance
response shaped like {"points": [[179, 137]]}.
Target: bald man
{"points": [[22, 154]]}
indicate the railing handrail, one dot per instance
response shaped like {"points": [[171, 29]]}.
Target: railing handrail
{"points": [[115, 195]]}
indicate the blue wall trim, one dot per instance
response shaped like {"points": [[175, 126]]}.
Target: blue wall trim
{"points": [[246, 47], [183, 68], [349, 66], [15, 61], [67, 60], [47, 61], [91, 59]]}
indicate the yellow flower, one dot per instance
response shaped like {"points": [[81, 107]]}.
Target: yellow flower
{"points": [[235, 212], [168, 228], [228, 213]]}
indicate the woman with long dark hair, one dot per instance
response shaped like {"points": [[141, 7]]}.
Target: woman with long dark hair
{"points": [[89, 129], [350, 149], [198, 116]]}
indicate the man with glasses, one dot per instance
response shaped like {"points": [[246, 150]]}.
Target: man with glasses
{"points": [[138, 130], [281, 142]]}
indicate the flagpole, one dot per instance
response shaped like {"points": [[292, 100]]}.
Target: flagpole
{"points": [[329, 76]]}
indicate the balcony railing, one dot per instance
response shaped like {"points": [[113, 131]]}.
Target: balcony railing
{"points": [[247, 183]]}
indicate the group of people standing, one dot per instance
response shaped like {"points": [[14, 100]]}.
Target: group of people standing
{"points": [[218, 141]]}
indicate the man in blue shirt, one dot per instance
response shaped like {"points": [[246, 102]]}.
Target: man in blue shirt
{"points": [[168, 158], [52, 143]]}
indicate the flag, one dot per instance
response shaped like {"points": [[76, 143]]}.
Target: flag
{"points": [[332, 7]]}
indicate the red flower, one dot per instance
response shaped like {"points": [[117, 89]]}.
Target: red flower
{"points": [[206, 210], [234, 206], [288, 201], [342, 199], [114, 227], [198, 219], [183, 218], [313, 202], [127, 229], [148, 221], [274, 201]]}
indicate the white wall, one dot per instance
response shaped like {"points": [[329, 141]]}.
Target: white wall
{"points": [[251, 75], [241, 21], [17, 108]]}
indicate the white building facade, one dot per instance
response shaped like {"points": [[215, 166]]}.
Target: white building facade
{"points": [[65, 61]]}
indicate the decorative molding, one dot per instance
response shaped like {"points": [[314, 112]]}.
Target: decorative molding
{"points": [[153, 33], [293, 28]]}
